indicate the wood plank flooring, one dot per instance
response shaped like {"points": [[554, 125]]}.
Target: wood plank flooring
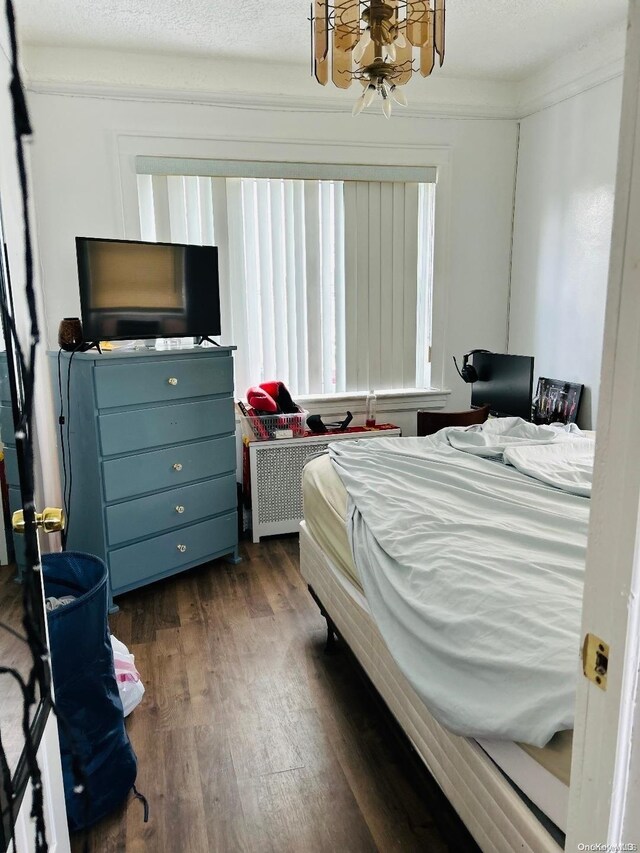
{"points": [[14, 653], [249, 737]]}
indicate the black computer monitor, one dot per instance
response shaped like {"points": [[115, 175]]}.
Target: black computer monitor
{"points": [[505, 383]]}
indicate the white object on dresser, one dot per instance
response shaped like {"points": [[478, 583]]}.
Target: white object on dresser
{"points": [[276, 478]]}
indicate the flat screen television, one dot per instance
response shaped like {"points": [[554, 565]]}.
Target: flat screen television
{"points": [[505, 383], [134, 289]]}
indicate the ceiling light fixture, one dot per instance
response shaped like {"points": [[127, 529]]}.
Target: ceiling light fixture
{"points": [[373, 42]]}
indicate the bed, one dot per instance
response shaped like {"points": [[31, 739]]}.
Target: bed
{"points": [[509, 795]]}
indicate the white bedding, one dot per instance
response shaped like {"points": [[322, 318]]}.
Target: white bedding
{"points": [[473, 571], [495, 814], [567, 465], [561, 456]]}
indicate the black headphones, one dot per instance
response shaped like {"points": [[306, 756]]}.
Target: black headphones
{"points": [[468, 372]]}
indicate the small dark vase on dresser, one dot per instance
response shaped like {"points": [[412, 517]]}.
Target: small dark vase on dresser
{"points": [[70, 334]]}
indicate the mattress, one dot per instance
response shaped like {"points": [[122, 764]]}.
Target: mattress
{"points": [[482, 792], [325, 509]]}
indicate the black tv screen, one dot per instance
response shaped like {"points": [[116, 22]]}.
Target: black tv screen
{"points": [[505, 383], [134, 289]]}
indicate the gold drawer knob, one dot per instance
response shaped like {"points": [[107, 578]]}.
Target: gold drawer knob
{"points": [[179, 509], [182, 548], [177, 466], [173, 380]]}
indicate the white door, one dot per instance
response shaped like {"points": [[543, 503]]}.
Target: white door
{"points": [[49, 750], [54, 810], [605, 775]]}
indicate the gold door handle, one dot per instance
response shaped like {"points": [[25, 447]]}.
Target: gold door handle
{"points": [[179, 509], [51, 520], [173, 380], [182, 548], [177, 466]]}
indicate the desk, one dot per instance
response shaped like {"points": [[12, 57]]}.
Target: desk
{"points": [[430, 422]]}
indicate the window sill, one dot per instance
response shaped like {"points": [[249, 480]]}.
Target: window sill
{"points": [[401, 400]]}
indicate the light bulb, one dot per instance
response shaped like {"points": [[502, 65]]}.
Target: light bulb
{"points": [[391, 52], [386, 100], [398, 96], [400, 40], [363, 44], [359, 104], [369, 95]]}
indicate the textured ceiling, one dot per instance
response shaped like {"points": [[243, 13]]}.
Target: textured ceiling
{"points": [[506, 39]]}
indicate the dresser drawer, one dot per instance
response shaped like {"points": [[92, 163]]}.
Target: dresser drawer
{"points": [[127, 432], [162, 380], [15, 500], [15, 503], [149, 472], [169, 552], [5, 387], [155, 513], [7, 430], [11, 466]]}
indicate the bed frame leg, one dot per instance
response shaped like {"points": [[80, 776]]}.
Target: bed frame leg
{"points": [[332, 645]]}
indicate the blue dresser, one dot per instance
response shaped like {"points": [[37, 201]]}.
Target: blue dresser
{"points": [[7, 435], [150, 454]]}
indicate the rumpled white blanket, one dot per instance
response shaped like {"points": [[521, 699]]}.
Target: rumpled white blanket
{"points": [[559, 455], [473, 571]]}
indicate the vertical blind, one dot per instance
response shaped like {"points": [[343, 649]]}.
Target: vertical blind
{"points": [[324, 284]]}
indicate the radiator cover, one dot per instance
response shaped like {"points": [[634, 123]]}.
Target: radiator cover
{"points": [[276, 479]]}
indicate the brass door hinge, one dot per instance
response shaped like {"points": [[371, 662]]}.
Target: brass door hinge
{"points": [[595, 660]]}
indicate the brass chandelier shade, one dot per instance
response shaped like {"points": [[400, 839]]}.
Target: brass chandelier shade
{"points": [[374, 42]]}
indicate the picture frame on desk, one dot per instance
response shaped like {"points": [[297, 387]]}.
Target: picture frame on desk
{"points": [[556, 401]]}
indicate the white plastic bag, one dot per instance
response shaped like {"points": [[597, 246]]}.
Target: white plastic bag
{"points": [[130, 685]]}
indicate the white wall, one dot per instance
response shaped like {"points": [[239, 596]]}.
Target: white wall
{"points": [[562, 235], [84, 185]]}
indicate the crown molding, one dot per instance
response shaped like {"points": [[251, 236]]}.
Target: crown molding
{"points": [[249, 85], [585, 68], [78, 72], [258, 101], [534, 102], [542, 100]]}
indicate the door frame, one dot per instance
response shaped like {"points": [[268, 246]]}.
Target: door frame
{"points": [[9, 809], [13, 266], [606, 719]]}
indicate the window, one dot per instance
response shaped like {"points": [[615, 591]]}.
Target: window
{"points": [[325, 284]]}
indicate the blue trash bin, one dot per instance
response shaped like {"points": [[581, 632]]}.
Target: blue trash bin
{"points": [[86, 690]]}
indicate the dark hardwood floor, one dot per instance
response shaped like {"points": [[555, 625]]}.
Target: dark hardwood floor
{"points": [[14, 653], [249, 737]]}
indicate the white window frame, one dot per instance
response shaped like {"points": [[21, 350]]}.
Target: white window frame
{"points": [[327, 153], [382, 274]]}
